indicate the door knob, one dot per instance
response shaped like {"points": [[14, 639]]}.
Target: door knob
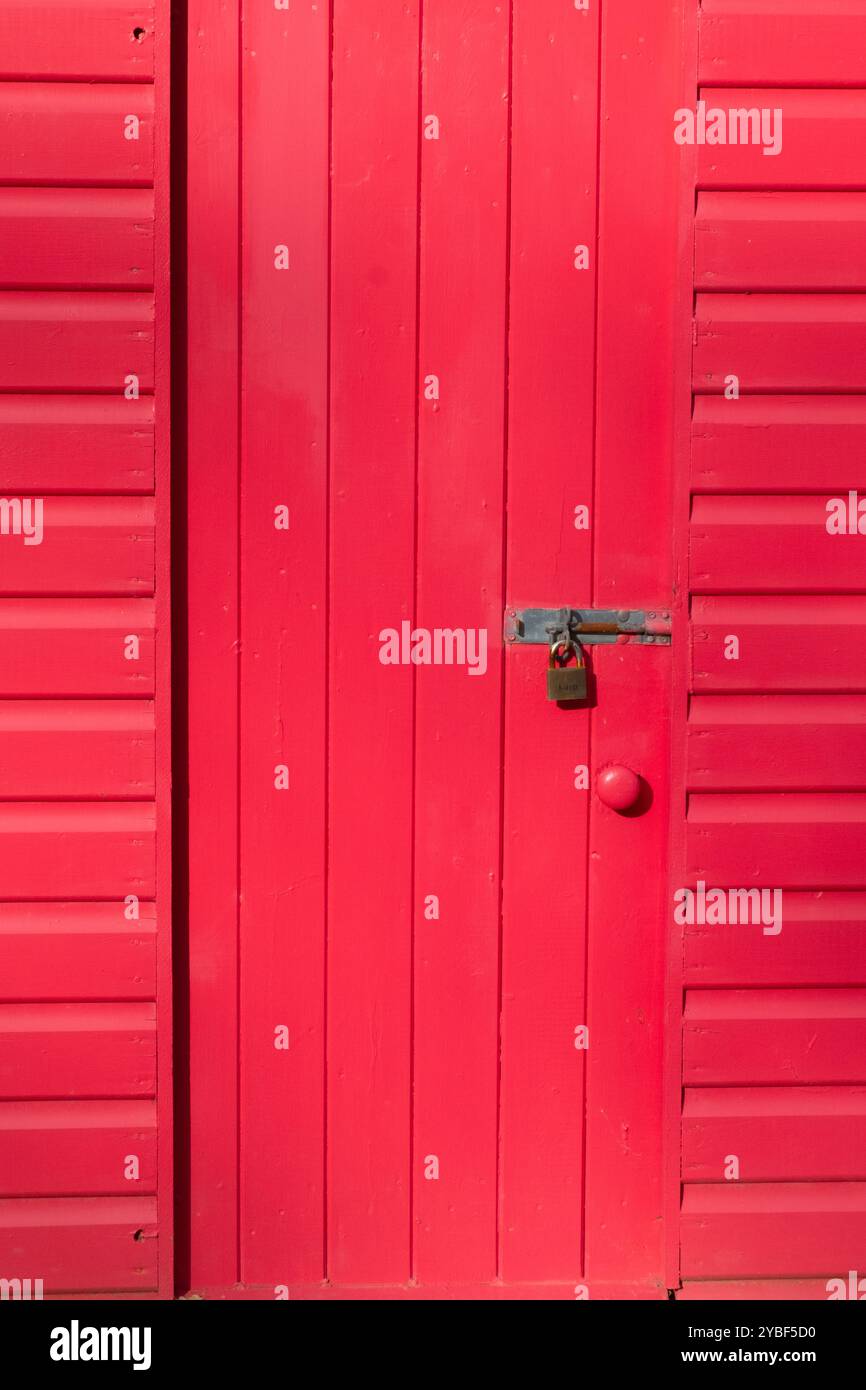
{"points": [[618, 787]]}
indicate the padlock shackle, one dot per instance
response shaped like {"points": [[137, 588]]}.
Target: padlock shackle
{"points": [[572, 649]]}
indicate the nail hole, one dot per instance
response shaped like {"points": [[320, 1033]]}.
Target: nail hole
{"points": [[138, 1235], [138, 35]]}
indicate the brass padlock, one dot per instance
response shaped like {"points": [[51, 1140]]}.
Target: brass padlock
{"points": [[566, 682]]}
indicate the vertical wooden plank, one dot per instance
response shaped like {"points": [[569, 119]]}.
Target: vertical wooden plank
{"points": [[638, 280], [284, 463], [458, 709], [627, 920], [373, 340], [212, 721], [163, 682], [550, 466]]}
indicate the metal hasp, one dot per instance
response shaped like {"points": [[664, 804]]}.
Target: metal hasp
{"points": [[589, 626]]}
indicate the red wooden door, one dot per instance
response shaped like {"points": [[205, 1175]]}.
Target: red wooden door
{"points": [[85, 1002], [420, 299], [480, 322], [491, 307]]}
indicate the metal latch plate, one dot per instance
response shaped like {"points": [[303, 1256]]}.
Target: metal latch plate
{"points": [[588, 626]]}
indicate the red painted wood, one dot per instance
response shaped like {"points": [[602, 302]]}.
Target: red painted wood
{"points": [[681, 651], [209, 1250], [819, 945], [754, 1290], [101, 546], [789, 839], [624, 1100], [766, 241], [83, 1245], [329, 361], [773, 1230], [438, 1030], [373, 404], [769, 754], [779, 1134], [306, 389], [760, 1037], [803, 643], [164, 683], [493, 1292], [76, 444], [76, 238], [781, 342], [69, 133], [109, 40], [371, 245], [77, 849], [550, 436], [283, 690], [822, 144], [463, 205], [632, 562], [543, 998], [784, 42], [85, 787], [95, 950], [772, 543], [627, 918], [87, 640], [79, 341], [781, 742], [90, 1142], [66, 1050], [777, 443], [76, 749]]}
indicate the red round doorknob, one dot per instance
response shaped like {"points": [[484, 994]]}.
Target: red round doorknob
{"points": [[618, 787]]}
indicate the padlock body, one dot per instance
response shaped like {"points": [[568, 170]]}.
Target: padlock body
{"points": [[566, 683]]}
